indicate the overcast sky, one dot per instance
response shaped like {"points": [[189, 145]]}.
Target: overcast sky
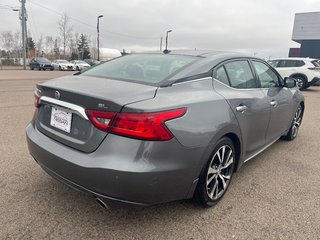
{"points": [[251, 26]]}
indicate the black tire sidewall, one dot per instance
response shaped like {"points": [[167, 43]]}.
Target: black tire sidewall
{"points": [[201, 194]]}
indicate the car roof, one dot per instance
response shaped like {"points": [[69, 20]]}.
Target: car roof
{"points": [[195, 53]]}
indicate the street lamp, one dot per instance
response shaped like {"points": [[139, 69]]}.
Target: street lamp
{"points": [[167, 40], [98, 37]]}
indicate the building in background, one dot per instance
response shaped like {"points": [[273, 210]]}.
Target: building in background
{"points": [[306, 31]]}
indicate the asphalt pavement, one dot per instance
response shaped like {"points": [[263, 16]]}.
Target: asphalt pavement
{"points": [[276, 195]]}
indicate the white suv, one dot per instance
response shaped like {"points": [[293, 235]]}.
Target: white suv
{"points": [[305, 70]]}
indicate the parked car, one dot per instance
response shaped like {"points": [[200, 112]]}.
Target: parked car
{"points": [[79, 65], [305, 70], [150, 128], [40, 63], [62, 65], [92, 62]]}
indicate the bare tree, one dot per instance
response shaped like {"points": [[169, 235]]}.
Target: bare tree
{"points": [[7, 41], [49, 45], [65, 31], [56, 48], [73, 46], [39, 45]]}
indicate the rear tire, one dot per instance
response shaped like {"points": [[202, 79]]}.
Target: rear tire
{"points": [[216, 176], [295, 125]]}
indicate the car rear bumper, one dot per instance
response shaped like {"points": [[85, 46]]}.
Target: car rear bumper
{"points": [[314, 81], [121, 170]]}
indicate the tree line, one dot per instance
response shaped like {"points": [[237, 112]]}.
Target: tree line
{"points": [[67, 45]]}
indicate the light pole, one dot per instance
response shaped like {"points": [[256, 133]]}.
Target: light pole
{"points": [[167, 39], [23, 18], [98, 37]]}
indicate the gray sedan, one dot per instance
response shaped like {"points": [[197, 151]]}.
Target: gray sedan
{"points": [[156, 127]]}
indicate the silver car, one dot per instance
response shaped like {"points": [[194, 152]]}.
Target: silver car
{"points": [[150, 128], [62, 65], [79, 65]]}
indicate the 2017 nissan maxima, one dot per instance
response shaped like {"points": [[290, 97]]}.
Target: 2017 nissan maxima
{"points": [[150, 128]]}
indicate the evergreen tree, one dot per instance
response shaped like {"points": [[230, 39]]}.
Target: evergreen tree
{"points": [[83, 47]]}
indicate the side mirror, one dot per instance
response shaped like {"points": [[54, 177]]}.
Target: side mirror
{"points": [[289, 82]]}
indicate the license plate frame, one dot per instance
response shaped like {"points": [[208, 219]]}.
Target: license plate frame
{"points": [[61, 119]]}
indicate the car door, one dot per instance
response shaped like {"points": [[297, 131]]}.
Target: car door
{"points": [[236, 83], [279, 99]]}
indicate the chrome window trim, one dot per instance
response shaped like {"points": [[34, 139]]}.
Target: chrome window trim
{"points": [[65, 105], [239, 89], [190, 81]]}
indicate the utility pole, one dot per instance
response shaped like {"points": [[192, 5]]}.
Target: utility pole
{"points": [[23, 18], [160, 44], [98, 35]]}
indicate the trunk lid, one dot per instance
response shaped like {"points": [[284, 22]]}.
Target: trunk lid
{"points": [[73, 95]]}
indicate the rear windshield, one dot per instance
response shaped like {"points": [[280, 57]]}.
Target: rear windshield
{"points": [[144, 68]]}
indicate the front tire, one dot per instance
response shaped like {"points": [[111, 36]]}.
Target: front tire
{"points": [[295, 125], [216, 176]]}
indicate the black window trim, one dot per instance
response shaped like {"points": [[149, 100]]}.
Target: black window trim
{"points": [[280, 80], [214, 70]]}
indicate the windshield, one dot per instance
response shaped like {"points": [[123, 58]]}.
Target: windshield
{"points": [[62, 61], [144, 68], [42, 59]]}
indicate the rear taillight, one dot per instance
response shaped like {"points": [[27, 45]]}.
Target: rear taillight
{"points": [[37, 96], [314, 68], [145, 126], [101, 120]]}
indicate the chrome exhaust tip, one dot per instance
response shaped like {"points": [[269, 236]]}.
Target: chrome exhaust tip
{"points": [[101, 203]]}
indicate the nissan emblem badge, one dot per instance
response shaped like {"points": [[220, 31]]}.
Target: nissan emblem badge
{"points": [[57, 94]]}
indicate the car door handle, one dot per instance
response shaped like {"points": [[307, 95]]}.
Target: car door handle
{"points": [[274, 103], [241, 108]]}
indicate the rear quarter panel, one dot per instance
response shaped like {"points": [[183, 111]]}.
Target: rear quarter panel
{"points": [[207, 119]]}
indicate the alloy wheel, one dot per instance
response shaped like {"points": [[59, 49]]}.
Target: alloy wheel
{"points": [[300, 83], [219, 172], [296, 122]]}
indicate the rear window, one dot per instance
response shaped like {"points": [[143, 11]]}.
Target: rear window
{"points": [[287, 63], [144, 68], [316, 63]]}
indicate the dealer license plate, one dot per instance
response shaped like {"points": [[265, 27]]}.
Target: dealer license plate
{"points": [[61, 119]]}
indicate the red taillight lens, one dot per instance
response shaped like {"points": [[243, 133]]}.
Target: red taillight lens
{"points": [[101, 120], [36, 98], [314, 68], [145, 126]]}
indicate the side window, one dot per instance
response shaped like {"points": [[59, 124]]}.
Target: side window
{"points": [[287, 63], [221, 75], [240, 75], [267, 77], [300, 63], [274, 63]]}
